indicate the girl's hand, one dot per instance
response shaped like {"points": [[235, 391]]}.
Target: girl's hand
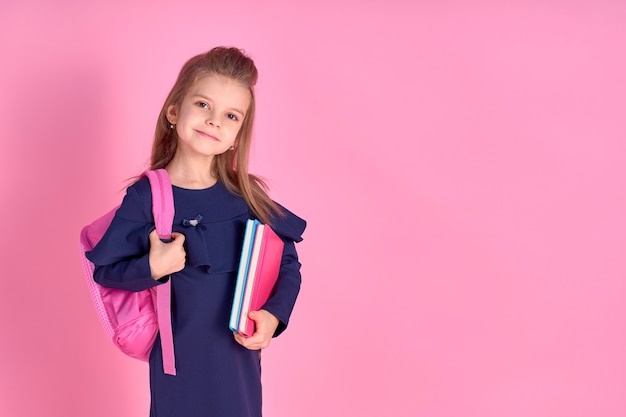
{"points": [[265, 326], [166, 258]]}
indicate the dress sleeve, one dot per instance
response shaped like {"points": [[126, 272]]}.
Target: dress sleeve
{"points": [[121, 256], [283, 298]]}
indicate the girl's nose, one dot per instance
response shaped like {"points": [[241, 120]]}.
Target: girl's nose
{"points": [[213, 121]]}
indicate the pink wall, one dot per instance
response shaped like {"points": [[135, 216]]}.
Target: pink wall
{"points": [[461, 167]]}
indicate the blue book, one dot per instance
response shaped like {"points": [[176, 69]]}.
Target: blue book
{"points": [[242, 273]]}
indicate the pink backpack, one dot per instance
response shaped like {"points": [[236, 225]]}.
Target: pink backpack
{"points": [[132, 319]]}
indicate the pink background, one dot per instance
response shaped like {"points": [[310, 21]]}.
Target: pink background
{"points": [[461, 168]]}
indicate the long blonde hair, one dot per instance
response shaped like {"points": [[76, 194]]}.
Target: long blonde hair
{"points": [[231, 167]]}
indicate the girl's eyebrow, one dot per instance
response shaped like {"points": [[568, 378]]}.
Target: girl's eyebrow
{"points": [[235, 109]]}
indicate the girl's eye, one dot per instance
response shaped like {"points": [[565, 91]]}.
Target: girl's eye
{"points": [[202, 105], [232, 117]]}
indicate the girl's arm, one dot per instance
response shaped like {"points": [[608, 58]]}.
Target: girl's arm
{"points": [[130, 275], [146, 271], [283, 298], [130, 256]]}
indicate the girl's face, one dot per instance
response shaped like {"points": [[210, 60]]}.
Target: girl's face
{"points": [[210, 116]]}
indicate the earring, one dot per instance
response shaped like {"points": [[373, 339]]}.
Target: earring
{"points": [[232, 148], [171, 126]]}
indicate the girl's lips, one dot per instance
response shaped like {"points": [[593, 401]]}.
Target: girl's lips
{"points": [[206, 135]]}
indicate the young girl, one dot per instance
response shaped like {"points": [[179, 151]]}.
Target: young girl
{"points": [[202, 139]]}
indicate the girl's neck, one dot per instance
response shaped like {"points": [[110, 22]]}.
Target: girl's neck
{"points": [[191, 173]]}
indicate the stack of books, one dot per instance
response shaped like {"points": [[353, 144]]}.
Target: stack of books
{"points": [[261, 255]]}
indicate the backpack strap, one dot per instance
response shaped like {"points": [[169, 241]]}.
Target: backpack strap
{"points": [[163, 212]]}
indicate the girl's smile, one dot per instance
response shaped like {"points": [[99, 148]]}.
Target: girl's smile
{"points": [[207, 135]]}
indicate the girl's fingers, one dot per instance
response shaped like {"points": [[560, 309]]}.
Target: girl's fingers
{"points": [[154, 238], [254, 342], [178, 238]]}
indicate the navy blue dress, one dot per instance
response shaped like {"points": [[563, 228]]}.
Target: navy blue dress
{"points": [[215, 376]]}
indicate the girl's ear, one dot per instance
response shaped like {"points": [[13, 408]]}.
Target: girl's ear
{"points": [[172, 114]]}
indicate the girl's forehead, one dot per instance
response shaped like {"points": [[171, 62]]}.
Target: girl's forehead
{"points": [[217, 82]]}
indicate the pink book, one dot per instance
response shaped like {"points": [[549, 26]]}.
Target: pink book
{"points": [[267, 254]]}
